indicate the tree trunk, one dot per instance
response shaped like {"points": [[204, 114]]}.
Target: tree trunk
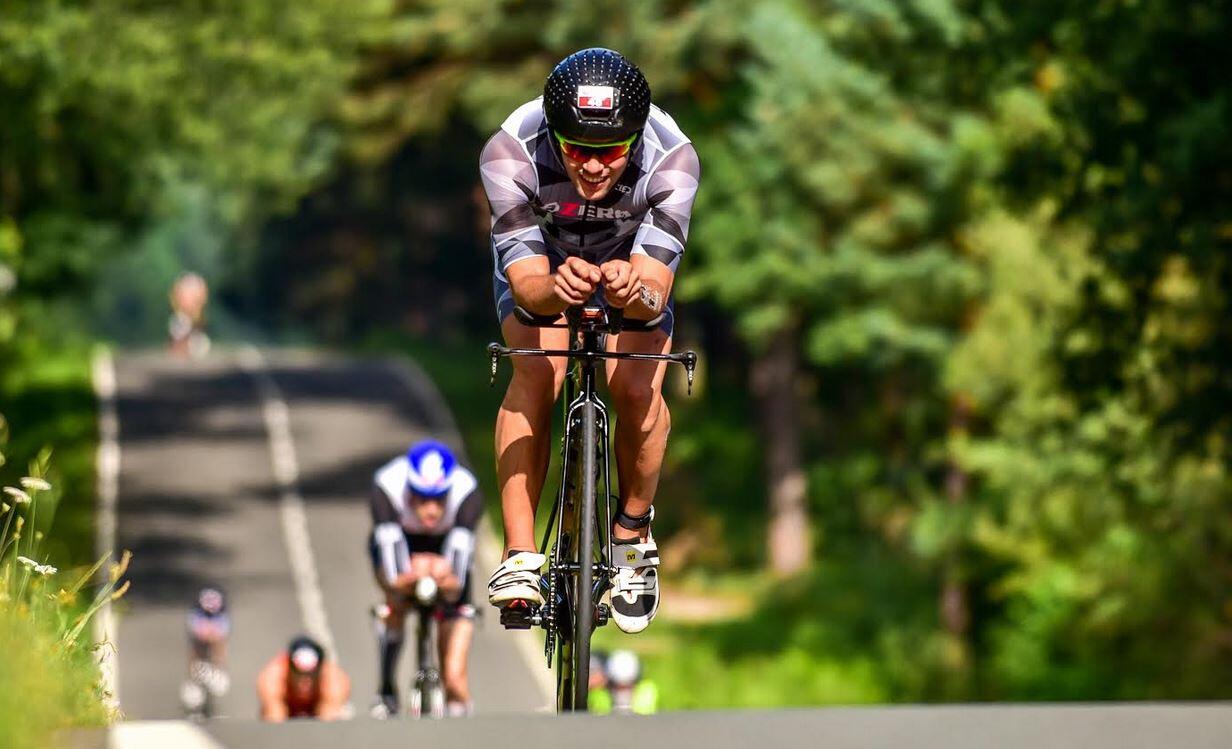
{"points": [[955, 611], [774, 372]]}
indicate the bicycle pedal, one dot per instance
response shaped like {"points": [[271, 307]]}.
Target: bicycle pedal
{"points": [[517, 615], [603, 613]]}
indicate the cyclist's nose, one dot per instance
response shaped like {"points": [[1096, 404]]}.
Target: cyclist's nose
{"points": [[593, 167]]}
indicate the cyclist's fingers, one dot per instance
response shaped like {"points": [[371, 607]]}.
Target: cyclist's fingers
{"points": [[583, 269], [566, 292], [578, 284]]}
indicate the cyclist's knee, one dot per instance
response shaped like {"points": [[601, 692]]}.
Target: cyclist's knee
{"points": [[535, 382], [638, 401], [395, 613]]}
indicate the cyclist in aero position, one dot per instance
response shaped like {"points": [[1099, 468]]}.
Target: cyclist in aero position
{"points": [[208, 626], [590, 188], [425, 509], [300, 682]]}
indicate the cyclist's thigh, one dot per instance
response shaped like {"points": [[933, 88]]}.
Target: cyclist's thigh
{"points": [[628, 373], [539, 368]]}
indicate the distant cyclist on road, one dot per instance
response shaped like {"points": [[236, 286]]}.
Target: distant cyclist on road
{"points": [[625, 691], [189, 296], [301, 683], [208, 626], [425, 509], [591, 189]]}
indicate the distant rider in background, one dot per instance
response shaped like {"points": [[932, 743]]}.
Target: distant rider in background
{"points": [[301, 683], [189, 296], [627, 692], [425, 509], [208, 626]]}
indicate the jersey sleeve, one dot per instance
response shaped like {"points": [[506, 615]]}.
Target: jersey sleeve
{"points": [[509, 181], [670, 191], [459, 545], [383, 511]]}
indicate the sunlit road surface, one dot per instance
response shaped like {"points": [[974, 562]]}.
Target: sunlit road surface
{"points": [[200, 502]]}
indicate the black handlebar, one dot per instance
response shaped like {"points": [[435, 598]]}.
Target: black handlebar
{"points": [[590, 320]]}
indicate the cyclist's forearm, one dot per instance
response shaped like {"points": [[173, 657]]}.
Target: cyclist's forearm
{"points": [[537, 295], [450, 586], [649, 302]]}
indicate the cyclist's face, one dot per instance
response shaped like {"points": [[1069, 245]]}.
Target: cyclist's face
{"points": [[429, 510], [592, 178]]}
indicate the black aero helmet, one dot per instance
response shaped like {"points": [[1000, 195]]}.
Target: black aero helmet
{"points": [[596, 95]]}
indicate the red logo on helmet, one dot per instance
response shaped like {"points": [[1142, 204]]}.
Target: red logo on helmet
{"points": [[595, 97]]}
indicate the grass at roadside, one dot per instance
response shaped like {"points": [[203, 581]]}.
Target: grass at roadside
{"points": [[49, 676]]}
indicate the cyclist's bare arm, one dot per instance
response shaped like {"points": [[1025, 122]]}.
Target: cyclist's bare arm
{"points": [[540, 291], [657, 280], [272, 690], [335, 691]]}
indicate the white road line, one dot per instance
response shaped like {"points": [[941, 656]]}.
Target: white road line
{"points": [[160, 734], [487, 549], [290, 503], [107, 467]]}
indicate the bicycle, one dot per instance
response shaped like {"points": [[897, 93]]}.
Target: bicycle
{"points": [[427, 692], [206, 683], [572, 589]]}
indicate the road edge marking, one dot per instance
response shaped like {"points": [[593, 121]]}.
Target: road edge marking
{"points": [[107, 475], [277, 417], [159, 734], [422, 387]]}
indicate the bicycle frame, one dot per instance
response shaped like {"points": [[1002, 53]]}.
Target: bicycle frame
{"points": [[579, 567], [427, 690]]}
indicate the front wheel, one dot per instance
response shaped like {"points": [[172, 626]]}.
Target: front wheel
{"points": [[584, 615]]}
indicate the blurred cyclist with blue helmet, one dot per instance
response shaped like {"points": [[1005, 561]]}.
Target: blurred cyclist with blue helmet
{"points": [[425, 509]]}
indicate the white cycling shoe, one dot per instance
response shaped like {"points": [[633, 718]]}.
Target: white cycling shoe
{"points": [[635, 590], [517, 579]]}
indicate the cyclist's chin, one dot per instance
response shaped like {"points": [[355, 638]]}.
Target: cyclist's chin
{"points": [[592, 190]]}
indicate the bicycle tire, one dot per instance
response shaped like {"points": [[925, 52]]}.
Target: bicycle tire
{"points": [[565, 552], [584, 617]]}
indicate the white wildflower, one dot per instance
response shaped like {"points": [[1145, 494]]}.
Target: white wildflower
{"points": [[19, 496], [39, 569], [33, 483]]}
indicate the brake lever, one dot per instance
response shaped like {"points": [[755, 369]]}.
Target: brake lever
{"points": [[494, 353], [690, 365]]}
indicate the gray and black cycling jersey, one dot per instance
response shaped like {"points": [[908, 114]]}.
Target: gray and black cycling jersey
{"points": [[537, 212]]}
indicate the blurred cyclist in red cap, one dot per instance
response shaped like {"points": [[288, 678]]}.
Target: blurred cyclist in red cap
{"points": [[300, 683]]}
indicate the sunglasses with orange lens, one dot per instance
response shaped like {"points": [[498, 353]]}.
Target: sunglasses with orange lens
{"points": [[606, 153]]}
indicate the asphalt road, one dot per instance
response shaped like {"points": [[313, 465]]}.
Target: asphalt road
{"points": [[199, 503]]}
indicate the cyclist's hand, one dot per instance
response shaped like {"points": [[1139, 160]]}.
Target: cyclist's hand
{"points": [[406, 581], [621, 282], [576, 280]]}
